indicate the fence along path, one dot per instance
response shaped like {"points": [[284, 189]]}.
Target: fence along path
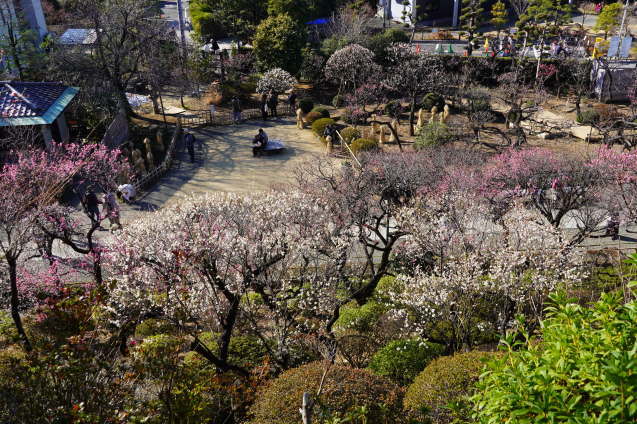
{"points": [[224, 117], [154, 175]]}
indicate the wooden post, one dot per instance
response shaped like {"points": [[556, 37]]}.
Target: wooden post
{"points": [[306, 409]]}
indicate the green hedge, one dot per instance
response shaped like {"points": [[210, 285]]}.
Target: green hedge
{"points": [[350, 134], [402, 360], [364, 145], [344, 389], [323, 111], [445, 380], [318, 126]]}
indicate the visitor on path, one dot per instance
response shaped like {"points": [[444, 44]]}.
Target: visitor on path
{"points": [[273, 101], [264, 106], [126, 192], [91, 206], [292, 101], [190, 146], [236, 110], [111, 211], [213, 111], [612, 228], [259, 142]]}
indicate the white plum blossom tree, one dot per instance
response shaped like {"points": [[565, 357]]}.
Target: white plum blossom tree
{"points": [[276, 80], [351, 66]]}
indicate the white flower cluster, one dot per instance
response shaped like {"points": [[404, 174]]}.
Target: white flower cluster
{"points": [[276, 80]]}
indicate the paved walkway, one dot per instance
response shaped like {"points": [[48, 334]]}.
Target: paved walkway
{"points": [[225, 163]]}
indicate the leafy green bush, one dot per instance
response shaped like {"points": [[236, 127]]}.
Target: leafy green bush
{"points": [[306, 105], [338, 101], [364, 145], [445, 380], [580, 368], [244, 351], [153, 327], [432, 99], [323, 111], [318, 126], [344, 388], [360, 318], [311, 117], [402, 360], [588, 117], [432, 134], [350, 133]]}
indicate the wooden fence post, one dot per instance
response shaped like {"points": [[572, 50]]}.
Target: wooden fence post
{"points": [[306, 409]]}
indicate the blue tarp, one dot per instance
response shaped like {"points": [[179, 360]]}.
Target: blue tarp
{"points": [[319, 21]]}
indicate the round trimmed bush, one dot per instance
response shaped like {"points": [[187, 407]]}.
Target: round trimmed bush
{"points": [[364, 145], [432, 99], [306, 105], [344, 388], [402, 360], [446, 379], [324, 112], [313, 116], [350, 133], [318, 127], [338, 101], [433, 134]]}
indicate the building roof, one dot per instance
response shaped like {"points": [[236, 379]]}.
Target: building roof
{"points": [[33, 103], [77, 36]]}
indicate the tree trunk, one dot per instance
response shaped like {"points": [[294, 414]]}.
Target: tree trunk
{"points": [[412, 112], [15, 303], [122, 102]]}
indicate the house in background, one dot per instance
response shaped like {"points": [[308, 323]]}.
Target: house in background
{"points": [[37, 104], [425, 12]]}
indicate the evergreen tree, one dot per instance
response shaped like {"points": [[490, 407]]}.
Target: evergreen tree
{"points": [[471, 17], [499, 15], [608, 19]]}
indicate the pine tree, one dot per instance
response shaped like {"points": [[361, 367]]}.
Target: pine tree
{"points": [[471, 17], [608, 19], [499, 15]]}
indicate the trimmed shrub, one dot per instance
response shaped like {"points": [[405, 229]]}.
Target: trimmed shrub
{"points": [[446, 379], [324, 112], [338, 101], [344, 389], [588, 117], [153, 327], [433, 134], [312, 116], [402, 360], [306, 105], [244, 351], [350, 133], [364, 145], [432, 99], [318, 127], [361, 319]]}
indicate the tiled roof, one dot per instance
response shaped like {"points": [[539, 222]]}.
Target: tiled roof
{"points": [[78, 36], [28, 99]]}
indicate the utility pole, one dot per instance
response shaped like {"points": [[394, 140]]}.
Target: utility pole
{"points": [[621, 30], [182, 33]]}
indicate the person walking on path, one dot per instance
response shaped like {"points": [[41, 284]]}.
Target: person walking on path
{"points": [[236, 110], [612, 228], [292, 101], [272, 104], [126, 192], [111, 211], [190, 146], [264, 106], [91, 206]]}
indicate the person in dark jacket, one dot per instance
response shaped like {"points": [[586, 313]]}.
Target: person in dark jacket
{"points": [[273, 100], [190, 146], [236, 110], [91, 206], [259, 142]]}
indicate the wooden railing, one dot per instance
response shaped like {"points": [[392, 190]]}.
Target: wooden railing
{"points": [[154, 175]]}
